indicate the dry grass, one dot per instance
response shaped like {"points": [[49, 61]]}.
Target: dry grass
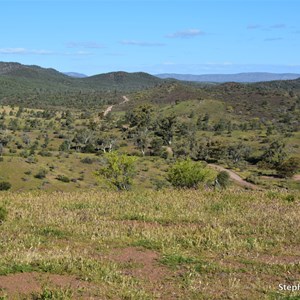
{"points": [[232, 244]]}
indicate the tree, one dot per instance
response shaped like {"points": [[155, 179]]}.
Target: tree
{"points": [[289, 167], [187, 174], [142, 140], [165, 128], [106, 142], [141, 116], [65, 146], [275, 154], [156, 146], [238, 152], [119, 170]]}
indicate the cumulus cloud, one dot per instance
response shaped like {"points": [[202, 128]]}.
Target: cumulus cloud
{"points": [[141, 43], [188, 33]]}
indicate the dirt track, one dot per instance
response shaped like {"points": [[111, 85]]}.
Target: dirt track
{"points": [[111, 106], [235, 177]]}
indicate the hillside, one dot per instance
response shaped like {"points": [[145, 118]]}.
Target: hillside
{"points": [[33, 86], [123, 81], [240, 77]]}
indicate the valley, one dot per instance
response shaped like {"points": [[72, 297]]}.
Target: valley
{"points": [[128, 186]]}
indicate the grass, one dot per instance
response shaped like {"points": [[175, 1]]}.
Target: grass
{"points": [[210, 245]]}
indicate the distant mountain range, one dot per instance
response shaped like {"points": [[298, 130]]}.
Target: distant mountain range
{"points": [[75, 75], [38, 77], [240, 77], [34, 86]]}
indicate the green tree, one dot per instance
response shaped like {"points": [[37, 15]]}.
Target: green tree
{"points": [[165, 128], [141, 116], [275, 154], [119, 170], [142, 140], [289, 167]]}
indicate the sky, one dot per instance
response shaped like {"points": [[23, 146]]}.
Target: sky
{"points": [[154, 36]]}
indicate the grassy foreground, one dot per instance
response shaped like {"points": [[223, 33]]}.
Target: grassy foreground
{"points": [[232, 244]]}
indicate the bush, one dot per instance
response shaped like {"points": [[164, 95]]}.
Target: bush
{"points": [[87, 160], [4, 186], [41, 174], [187, 174], [223, 179], [119, 170], [45, 153], [63, 178], [3, 214]]}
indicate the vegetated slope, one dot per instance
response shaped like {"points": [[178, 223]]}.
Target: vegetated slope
{"points": [[33, 86], [122, 81], [271, 101], [240, 77], [264, 100]]}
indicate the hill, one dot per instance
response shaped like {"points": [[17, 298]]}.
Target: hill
{"points": [[33, 72], [122, 81], [241, 77], [33, 86]]}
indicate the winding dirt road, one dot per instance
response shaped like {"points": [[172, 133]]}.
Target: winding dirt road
{"points": [[111, 106], [235, 177]]}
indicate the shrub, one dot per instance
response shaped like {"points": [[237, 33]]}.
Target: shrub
{"points": [[45, 153], [223, 179], [41, 174], [87, 160], [187, 174], [63, 178], [4, 185], [119, 170]]}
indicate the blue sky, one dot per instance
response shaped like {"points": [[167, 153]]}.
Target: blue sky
{"points": [[158, 36]]}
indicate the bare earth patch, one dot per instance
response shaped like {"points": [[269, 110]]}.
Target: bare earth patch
{"points": [[280, 260], [19, 284], [296, 177], [143, 264]]}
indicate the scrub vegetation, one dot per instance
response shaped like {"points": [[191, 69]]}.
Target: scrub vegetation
{"points": [[126, 186]]}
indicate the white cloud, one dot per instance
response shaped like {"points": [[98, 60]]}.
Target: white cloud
{"points": [[188, 33], [88, 45], [141, 43], [24, 51]]}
